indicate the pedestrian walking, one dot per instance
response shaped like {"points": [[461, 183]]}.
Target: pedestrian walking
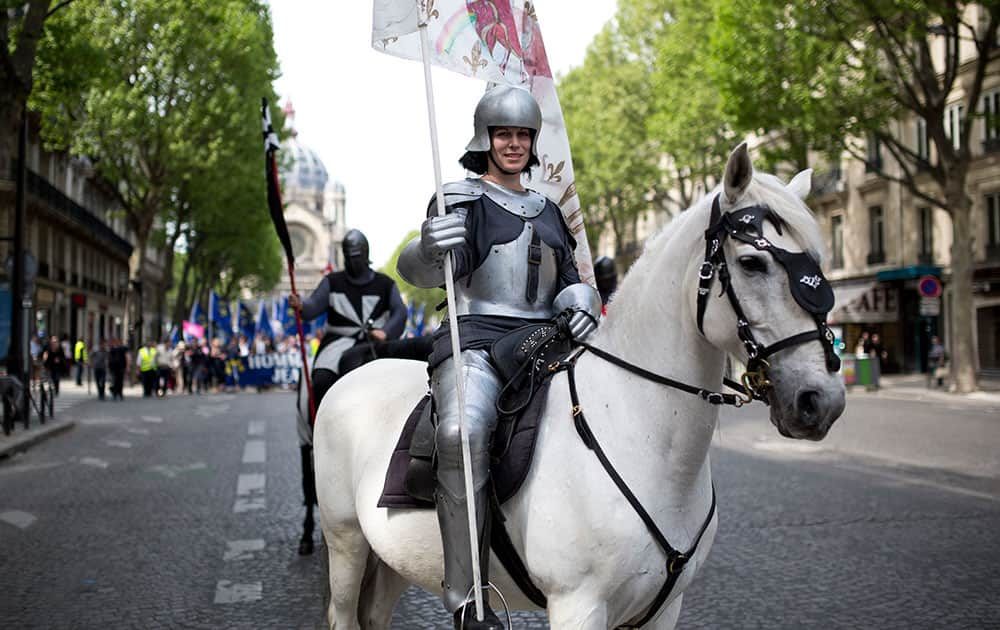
{"points": [[99, 364], [54, 360], [163, 360], [118, 363], [146, 360], [936, 358], [513, 264], [878, 355], [81, 360]]}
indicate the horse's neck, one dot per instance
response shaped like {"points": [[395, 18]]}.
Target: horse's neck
{"points": [[650, 323]]}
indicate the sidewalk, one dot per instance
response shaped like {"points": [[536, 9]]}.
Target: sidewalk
{"points": [[914, 387], [70, 396]]}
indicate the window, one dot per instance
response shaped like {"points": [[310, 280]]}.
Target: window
{"points": [[873, 158], [876, 235], [993, 222], [991, 120], [926, 252], [923, 148], [837, 240], [953, 124]]}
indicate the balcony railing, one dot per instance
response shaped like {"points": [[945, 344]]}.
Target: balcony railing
{"points": [[876, 258], [55, 199]]}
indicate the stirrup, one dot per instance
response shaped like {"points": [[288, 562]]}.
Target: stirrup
{"points": [[470, 599]]}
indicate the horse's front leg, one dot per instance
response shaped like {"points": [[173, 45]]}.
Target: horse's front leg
{"points": [[574, 611]]}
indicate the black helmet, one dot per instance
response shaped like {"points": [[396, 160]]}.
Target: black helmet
{"points": [[355, 248], [606, 277]]}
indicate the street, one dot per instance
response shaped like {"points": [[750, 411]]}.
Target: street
{"points": [[186, 513]]}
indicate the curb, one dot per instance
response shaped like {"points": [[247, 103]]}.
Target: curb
{"points": [[34, 436]]}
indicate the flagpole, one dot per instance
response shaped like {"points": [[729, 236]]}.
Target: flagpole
{"points": [[456, 352]]}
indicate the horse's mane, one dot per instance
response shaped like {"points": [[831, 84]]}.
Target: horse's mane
{"points": [[764, 189]]}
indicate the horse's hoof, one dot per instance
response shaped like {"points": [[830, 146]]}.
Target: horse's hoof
{"points": [[305, 547]]}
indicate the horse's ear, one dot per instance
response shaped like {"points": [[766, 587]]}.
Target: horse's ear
{"points": [[801, 184], [739, 170]]}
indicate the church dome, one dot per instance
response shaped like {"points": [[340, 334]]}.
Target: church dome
{"points": [[302, 169]]}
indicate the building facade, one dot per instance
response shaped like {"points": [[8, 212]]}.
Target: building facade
{"points": [[76, 233], [314, 211]]}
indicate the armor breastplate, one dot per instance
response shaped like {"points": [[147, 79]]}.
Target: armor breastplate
{"points": [[500, 286]]}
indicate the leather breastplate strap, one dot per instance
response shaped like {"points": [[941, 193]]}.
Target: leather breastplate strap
{"points": [[534, 260]]}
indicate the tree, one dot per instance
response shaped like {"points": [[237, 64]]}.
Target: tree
{"points": [[606, 103], [180, 80], [828, 76]]}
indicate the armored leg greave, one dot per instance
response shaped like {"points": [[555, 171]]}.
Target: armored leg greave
{"points": [[482, 385]]}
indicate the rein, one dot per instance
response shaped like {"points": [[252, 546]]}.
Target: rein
{"points": [[676, 560]]}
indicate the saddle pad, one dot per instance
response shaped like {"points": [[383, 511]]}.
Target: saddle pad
{"points": [[507, 474]]}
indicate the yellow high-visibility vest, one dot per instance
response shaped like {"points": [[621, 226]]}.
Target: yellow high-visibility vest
{"points": [[147, 359], [80, 352]]}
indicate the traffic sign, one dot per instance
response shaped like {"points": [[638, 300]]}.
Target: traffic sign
{"points": [[929, 287], [930, 307]]}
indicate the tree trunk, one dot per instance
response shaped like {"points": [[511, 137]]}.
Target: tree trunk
{"points": [[963, 359], [181, 299], [133, 320]]}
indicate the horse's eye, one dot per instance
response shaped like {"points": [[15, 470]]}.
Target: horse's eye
{"points": [[753, 264]]}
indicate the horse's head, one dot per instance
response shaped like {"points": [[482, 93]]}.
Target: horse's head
{"points": [[762, 297]]}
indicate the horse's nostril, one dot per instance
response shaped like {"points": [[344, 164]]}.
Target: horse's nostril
{"points": [[808, 404]]}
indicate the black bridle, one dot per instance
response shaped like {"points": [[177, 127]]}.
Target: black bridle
{"points": [[805, 280]]}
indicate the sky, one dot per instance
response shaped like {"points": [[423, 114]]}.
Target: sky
{"points": [[365, 113]]}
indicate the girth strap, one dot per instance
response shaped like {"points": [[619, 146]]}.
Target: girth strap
{"points": [[676, 560]]}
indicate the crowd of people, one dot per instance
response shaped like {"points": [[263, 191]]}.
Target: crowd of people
{"points": [[194, 366]]}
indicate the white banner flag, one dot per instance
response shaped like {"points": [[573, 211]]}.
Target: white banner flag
{"points": [[497, 41]]}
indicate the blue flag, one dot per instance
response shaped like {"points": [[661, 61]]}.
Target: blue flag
{"points": [[175, 336], [414, 321], [218, 313], [288, 317], [198, 315], [246, 324], [264, 321]]}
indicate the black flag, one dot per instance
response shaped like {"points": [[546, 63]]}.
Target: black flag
{"points": [[273, 185]]}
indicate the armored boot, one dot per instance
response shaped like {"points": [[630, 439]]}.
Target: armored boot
{"points": [[481, 389], [458, 579]]}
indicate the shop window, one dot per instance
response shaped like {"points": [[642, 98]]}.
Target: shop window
{"points": [[993, 225], [876, 235], [925, 254], [991, 121], [837, 241]]}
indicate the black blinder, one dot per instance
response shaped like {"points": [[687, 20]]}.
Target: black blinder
{"points": [[806, 281]]}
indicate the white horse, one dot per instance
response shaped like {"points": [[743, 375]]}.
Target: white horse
{"points": [[582, 543]]}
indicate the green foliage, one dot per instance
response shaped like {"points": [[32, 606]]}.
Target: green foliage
{"points": [[428, 298], [606, 102], [164, 96]]}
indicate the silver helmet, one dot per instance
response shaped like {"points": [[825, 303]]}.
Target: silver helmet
{"points": [[505, 106]]}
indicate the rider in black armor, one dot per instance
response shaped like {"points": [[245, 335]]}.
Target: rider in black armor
{"points": [[606, 277], [362, 306], [513, 265]]}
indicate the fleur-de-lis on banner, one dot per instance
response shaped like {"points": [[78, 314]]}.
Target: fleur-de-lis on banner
{"points": [[529, 8], [427, 6], [553, 172], [475, 58]]}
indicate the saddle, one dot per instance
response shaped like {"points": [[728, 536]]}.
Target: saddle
{"points": [[523, 358]]}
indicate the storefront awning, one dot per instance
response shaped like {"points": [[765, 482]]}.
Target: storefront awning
{"points": [[850, 302]]}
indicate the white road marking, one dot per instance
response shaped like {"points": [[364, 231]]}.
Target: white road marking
{"points": [[138, 431], [242, 549], [171, 471], [250, 483], [94, 422], [917, 481], [249, 504], [211, 411], [94, 461], [256, 427], [19, 468], [255, 452], [774, 446], [227, 592], [118, 443], [152, 419], [17, 518]]}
